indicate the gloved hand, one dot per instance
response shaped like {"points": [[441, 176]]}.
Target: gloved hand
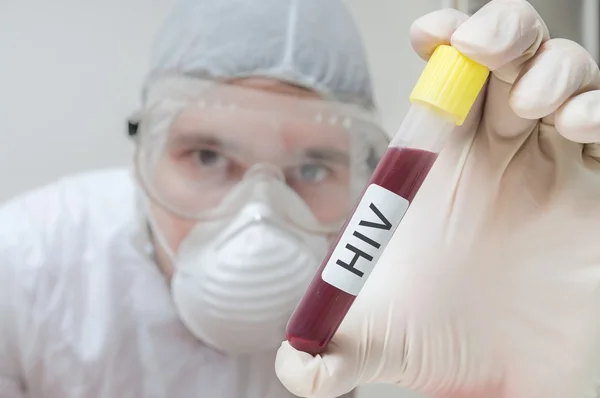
{"points": [[491, 285]]}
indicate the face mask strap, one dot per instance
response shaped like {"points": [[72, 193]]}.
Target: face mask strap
{"points": [[156, 232]]}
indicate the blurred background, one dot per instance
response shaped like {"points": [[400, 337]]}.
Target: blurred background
{"points": [[70, 74]]}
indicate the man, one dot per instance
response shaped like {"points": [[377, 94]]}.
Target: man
{"points": [[176, 279], [490, 287]]}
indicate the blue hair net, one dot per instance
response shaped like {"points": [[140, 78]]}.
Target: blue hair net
{"points": [[314, 44]]}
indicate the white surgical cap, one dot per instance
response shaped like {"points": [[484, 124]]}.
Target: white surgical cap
{"points": [[314, 44]]}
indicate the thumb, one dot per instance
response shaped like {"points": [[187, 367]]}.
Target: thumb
{"points": [[356, 355], [333, 374]]}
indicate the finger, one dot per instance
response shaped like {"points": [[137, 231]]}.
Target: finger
{"points": [[560, 69], [502, 35], [592, 150], [435, 29], [578, 119]]}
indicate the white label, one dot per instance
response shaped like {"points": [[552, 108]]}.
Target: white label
{"points": [[367, 234]]}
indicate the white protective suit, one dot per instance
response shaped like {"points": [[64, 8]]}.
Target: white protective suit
{"points": [[84, 309], [490, 286]]}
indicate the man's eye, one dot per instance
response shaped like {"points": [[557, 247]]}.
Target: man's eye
{"points": [[210, 158], [312, 173]]}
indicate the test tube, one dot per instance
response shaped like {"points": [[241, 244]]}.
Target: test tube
{"points": [[441, 100]]}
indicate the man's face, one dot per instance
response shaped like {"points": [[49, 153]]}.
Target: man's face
{"points": [[208, 150]]}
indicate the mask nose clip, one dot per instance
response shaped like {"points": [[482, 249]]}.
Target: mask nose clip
{"points": [[265, 172]]}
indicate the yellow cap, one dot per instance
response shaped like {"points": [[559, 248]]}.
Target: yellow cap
{"points": [[450, 82]]}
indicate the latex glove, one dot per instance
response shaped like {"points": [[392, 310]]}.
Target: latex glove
{"points": [[490, 287]]}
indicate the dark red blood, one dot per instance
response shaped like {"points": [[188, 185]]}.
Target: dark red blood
{"points": [[323, 307]]}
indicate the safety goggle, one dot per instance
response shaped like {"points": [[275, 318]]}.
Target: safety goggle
{"points": [[198, 140]]}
